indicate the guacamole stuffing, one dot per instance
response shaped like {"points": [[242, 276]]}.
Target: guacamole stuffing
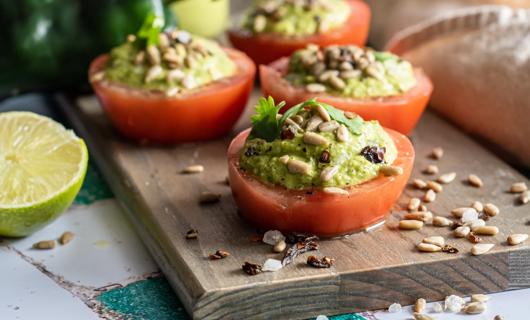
{"points": [[296, 17], [176, 63], [314, 146], [350, 71]]}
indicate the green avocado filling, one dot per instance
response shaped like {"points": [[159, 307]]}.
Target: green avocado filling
{"points": [[350, 71], [296, 17], [175, 63], [301, 150]]}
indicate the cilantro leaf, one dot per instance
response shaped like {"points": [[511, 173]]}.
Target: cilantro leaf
{"points": [[338, 115], [151, 29], [295, 109], [265, 125]]}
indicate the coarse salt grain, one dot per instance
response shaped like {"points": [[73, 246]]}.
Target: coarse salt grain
{"points": [[394, 308], [437, 307], [272, 237], [454, 303], [272, 265], [469, 215]]}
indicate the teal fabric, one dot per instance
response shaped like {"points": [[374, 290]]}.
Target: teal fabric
{"points": [[94, 187]]}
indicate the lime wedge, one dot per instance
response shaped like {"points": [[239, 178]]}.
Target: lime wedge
{"points": [[42, 168]]}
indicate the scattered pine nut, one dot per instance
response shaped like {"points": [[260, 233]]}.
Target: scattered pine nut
{"points": [[481, 248], [429, 196], [390, 171], [422, 208], [485, 230], [436, 240], [498, 317], [477, 205], [431, 169], [428, 247], [524, 197], [410, 224], [437, 153], [518, 238], [66, 237], [196, 168], [434, 186], [459, 212], [219, 254], [491, 210], [414, 203], [207, 197], [473, 238], [419, 306], [440, 221], [44, 245], [335, 190], [419, 215], [447, 178], [474, 308], [462, 232], [518, 187], [420, 316], [279, 246], [479, 298], [419, 184], [475, 181]]}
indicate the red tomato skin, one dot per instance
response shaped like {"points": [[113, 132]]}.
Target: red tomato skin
{"points": [[276, 208], [266, 48], [203, 114], [400, 113]]}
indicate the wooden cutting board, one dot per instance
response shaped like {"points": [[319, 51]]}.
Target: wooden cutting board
{"points": [[373, 269]]}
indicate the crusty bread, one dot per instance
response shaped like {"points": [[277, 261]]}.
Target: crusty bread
{"points": [[479, 61]]}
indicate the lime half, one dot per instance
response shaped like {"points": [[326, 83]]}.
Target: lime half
{"points": [[42, 168]]}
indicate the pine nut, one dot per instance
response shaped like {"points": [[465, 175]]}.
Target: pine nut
{"points": [[154, 73], [390, 171], [475, 181], [479, 298], [328, 126], [419, 184], [518, 187], [315, 88], [323, 113], [421, 216], [436, 240], [343, 133], [481, 248], [422, 208], [437, 153], [207, 197], [350, 115], [44, 245], [279, 246], [462, 232], [337, 191], [474, 308], [337, 82], [440, 221], [328, 173], [284, 159], [293, 124], [414, 203], [313, 123], [491, 210], [459, 212], [485, 230], [153, 55], [297, 166], [447, 178], [431, 169], [429, 196], [410, 224], [427, 247], [315, 139], [420, 316], [419, 306], [260, 22], [477, 205], [434, 186], [195, 168], [518, 238], [524, 197], [66, 237]]}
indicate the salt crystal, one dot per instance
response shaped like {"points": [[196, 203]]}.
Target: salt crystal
{"points": [[272, 265], [477, 223], [454, 303], [394, 307], [469, 215], [437, 307], [272, 237], [322, 317]]}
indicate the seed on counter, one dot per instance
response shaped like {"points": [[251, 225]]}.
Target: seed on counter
{"points": [[447, 178], [429, 196], [491, 210], [279, 246], [434, 186], [475, 181], [524, 197], [297, 166], [449, 249], [192, 234], [436, 240], [518, 187], [485, 230], [476, 223], [421, 316], [481, 248], [66, 237], [440, 221], [419, 306], [410, 224], [518, 238], [462, 232], [414, 203], [208, 197], [390, 171], [315, 139], [459, 212], [325, 262], [469, 216], [431, 169], [474, 308], [419, 184], [219, 254], [335, 190], [428, 247], [44, 245], [419, 215], [251, 268], [498, 317], [473, 238], [437, 153], [479, 297], [195, 168], [422, 208], [477, 205]]}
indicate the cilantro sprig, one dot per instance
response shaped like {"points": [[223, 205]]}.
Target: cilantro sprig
{"points": [[267, 125], [151, 28]]}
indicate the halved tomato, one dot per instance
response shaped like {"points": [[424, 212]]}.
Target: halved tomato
{"points": [[276, 208], [204, 113], [265, 48], [400, 112]]}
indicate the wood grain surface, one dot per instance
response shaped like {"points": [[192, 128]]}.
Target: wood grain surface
{"points": [[373, 269]]}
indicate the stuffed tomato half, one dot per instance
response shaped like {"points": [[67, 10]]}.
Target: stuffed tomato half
{"points": [[276, 28], [172, 87], [316, 170], [375, 85]]}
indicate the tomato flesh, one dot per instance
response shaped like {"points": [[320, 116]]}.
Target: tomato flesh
{"points": [[400, 112], [265, 48], [201, 114], [276, 208]]}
